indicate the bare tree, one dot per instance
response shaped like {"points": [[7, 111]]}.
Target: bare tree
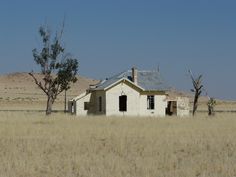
{"points": [[197, 89], [57, 68]]}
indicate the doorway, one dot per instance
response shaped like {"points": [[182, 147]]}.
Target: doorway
{"points": [[171, 109], [123, 103]]}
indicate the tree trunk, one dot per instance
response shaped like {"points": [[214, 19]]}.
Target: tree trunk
{"points": [[195, 103], [49, 105], [211, 110]]}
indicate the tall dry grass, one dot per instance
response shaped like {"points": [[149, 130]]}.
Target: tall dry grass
{"points": [[65, 146]]}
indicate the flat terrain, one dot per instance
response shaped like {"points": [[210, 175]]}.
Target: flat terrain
{"points": [[63, 145]]}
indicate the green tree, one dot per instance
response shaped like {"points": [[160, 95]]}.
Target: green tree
{"points": [[58, 68]]}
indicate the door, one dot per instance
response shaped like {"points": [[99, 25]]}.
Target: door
{"points": [[123, 103]]}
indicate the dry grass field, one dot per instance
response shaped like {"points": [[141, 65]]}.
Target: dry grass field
{"points": [[32, 145]]}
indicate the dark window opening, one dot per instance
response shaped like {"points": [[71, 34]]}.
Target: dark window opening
{"points": [[86, 105], [171, 108], [100, 104], [150, 102], [123, 103]]}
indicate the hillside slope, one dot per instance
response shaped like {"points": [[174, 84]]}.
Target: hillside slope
{"points": [[18, 91]]}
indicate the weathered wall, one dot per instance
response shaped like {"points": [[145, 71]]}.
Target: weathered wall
{"points": [[93, 107], [182, 106], [160, 106], [79, 105], [95, 100]]}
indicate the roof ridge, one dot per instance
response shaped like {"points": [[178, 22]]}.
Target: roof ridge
{"points": [[149, 71], [147, 79], [145, 71]]}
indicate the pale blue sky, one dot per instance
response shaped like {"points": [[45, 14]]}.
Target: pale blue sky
{"points": [[110, 36]]}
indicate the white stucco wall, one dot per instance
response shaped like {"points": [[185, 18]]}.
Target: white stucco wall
{"points": [[136, 103], [160, 106], [112, 100], [79, 104], [93, 99]]}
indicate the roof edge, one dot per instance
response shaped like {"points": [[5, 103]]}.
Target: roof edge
{"points": [[118, 81]]}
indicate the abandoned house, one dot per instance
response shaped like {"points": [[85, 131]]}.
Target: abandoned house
{"points": [[131, 93]]}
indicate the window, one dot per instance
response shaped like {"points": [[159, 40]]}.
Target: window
{"points": [[86, 105], [150, 102], [100, 104], [123, 103]]}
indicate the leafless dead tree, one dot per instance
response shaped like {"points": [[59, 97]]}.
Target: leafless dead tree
{"points": [[197, 89]]}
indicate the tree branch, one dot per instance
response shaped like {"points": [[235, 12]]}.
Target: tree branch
{"points": [[38, 83]]}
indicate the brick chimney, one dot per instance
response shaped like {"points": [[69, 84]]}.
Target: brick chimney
{"points": [[135, 75]]}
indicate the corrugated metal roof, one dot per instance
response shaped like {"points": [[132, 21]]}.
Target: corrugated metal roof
{"points": [[148, 80]]}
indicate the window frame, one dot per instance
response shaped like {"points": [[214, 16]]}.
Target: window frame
{"points": [[150, 102]]}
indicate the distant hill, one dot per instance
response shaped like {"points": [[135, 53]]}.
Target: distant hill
{"points": [[19, 92], [18, 89]]}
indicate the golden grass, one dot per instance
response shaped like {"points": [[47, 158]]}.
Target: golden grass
{"points": [[67, 146], [220, 106]]}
